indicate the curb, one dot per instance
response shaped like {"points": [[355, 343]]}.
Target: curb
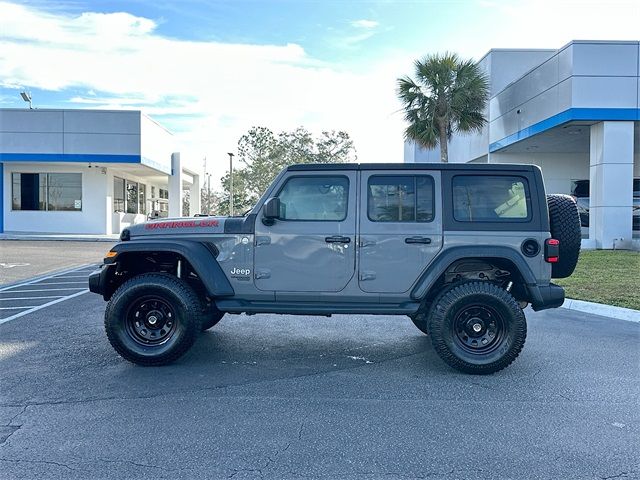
{"points": [[619, 313]]}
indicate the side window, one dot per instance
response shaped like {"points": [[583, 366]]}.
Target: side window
{"points": [[400, 198], [314, 198], [484, 198]]}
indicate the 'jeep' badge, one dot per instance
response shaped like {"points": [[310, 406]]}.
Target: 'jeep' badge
{"points": [[240, 272]]}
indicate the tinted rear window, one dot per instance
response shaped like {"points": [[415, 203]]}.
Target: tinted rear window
{"points": [[484, 198]]}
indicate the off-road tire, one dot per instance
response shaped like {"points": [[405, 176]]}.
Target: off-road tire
{"points": [[210, 318], [564, 221], [182, 310], [451, 307]]}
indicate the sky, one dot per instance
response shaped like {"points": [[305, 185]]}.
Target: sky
{"points": [[210, 70]]}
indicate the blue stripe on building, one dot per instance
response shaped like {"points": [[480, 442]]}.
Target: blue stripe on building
{"points": [[68, 157], [572, 114], [1, 197]]}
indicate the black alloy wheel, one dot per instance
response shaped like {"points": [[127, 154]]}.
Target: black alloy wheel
{"points": [[479, 329], [151, 320]]}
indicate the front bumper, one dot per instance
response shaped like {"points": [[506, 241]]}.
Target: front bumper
{"points": [[99, 278]]}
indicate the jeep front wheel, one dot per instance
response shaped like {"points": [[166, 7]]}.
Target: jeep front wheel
{"points": [[153, 319], [477, 327]]}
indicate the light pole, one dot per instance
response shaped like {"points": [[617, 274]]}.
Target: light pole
{"points": [[206, 174], [230, 184], [208, 194]]}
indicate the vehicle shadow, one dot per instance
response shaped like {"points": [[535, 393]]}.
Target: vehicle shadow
{"points": [[262, 354]]}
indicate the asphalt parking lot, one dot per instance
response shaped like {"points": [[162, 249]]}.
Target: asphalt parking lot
{"points": [[273, 396], [23, 259], [17, 300]]}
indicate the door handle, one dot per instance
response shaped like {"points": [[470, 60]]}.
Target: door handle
{"points": [[423, 240], [337, 239]]}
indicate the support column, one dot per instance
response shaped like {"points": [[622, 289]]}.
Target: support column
{"points": [[1, 197], [611, 184], [194, 196], [175, 186]]}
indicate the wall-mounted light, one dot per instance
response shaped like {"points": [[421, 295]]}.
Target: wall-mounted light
{"points": [[26, 96]]}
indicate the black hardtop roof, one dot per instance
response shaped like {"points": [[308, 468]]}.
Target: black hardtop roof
{"points": [[413, 166]]}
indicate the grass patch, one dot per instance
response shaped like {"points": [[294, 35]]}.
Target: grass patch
{"points": [[605, 276]]}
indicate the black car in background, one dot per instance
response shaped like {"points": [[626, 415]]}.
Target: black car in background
{"points": [[580, 192]]}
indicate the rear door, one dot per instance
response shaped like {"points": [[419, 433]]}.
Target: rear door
{"points": [[400, 228], [311, 247]]}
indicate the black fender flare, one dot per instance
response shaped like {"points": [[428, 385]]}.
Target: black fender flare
{"points": [[201, 259], [440, 264]]}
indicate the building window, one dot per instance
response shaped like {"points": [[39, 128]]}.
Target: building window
{"points": [[46, 191], [400, 198], [132, 197], [129, 196], [118, 194], [484, 198], [314, 198], [142, 195], [164, 207]]}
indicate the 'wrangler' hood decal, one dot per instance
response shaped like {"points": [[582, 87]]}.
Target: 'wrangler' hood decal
{"points": [[178, 226]]}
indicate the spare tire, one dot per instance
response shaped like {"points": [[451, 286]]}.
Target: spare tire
{"points": [[564, 222]]}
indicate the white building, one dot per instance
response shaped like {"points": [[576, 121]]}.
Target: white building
{"points": [[87, 171], [575, 112]]}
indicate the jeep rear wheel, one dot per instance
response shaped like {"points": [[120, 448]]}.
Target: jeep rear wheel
{"points": [[153, 319], [477, 327]]}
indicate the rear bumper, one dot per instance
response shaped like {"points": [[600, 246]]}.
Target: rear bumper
{"points": [[550, 296]]}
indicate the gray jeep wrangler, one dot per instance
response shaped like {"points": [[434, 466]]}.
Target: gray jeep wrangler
{"points": [[461, 249]]}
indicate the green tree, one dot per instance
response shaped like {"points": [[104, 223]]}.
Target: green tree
{"points": [[449, 94], [242, 198], [209, 201], [262, 154], [186, 202]]}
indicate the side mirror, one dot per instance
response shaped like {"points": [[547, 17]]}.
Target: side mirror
{"points": [[271, 210]]}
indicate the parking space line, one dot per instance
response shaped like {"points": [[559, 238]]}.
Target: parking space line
{"points": [[53, 302], [60, 283], [18, 308], [47, 277], [71, 276], [43, 289], [29, 298]]}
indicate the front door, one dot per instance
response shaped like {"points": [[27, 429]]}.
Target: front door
{"points": [[400, 228], [311, 247]]}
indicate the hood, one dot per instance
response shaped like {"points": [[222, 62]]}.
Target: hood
{"points": [[176, 226]]}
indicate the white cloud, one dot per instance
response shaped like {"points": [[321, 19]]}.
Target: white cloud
{"points": [[364, 23], [209, 92]]}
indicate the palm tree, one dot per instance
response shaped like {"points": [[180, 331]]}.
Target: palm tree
{"points": [[449, 95]]}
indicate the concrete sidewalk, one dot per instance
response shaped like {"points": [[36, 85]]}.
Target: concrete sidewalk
{"points": [[74, 237]]}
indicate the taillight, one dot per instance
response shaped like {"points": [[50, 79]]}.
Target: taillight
{"points": [[552, 250]]}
